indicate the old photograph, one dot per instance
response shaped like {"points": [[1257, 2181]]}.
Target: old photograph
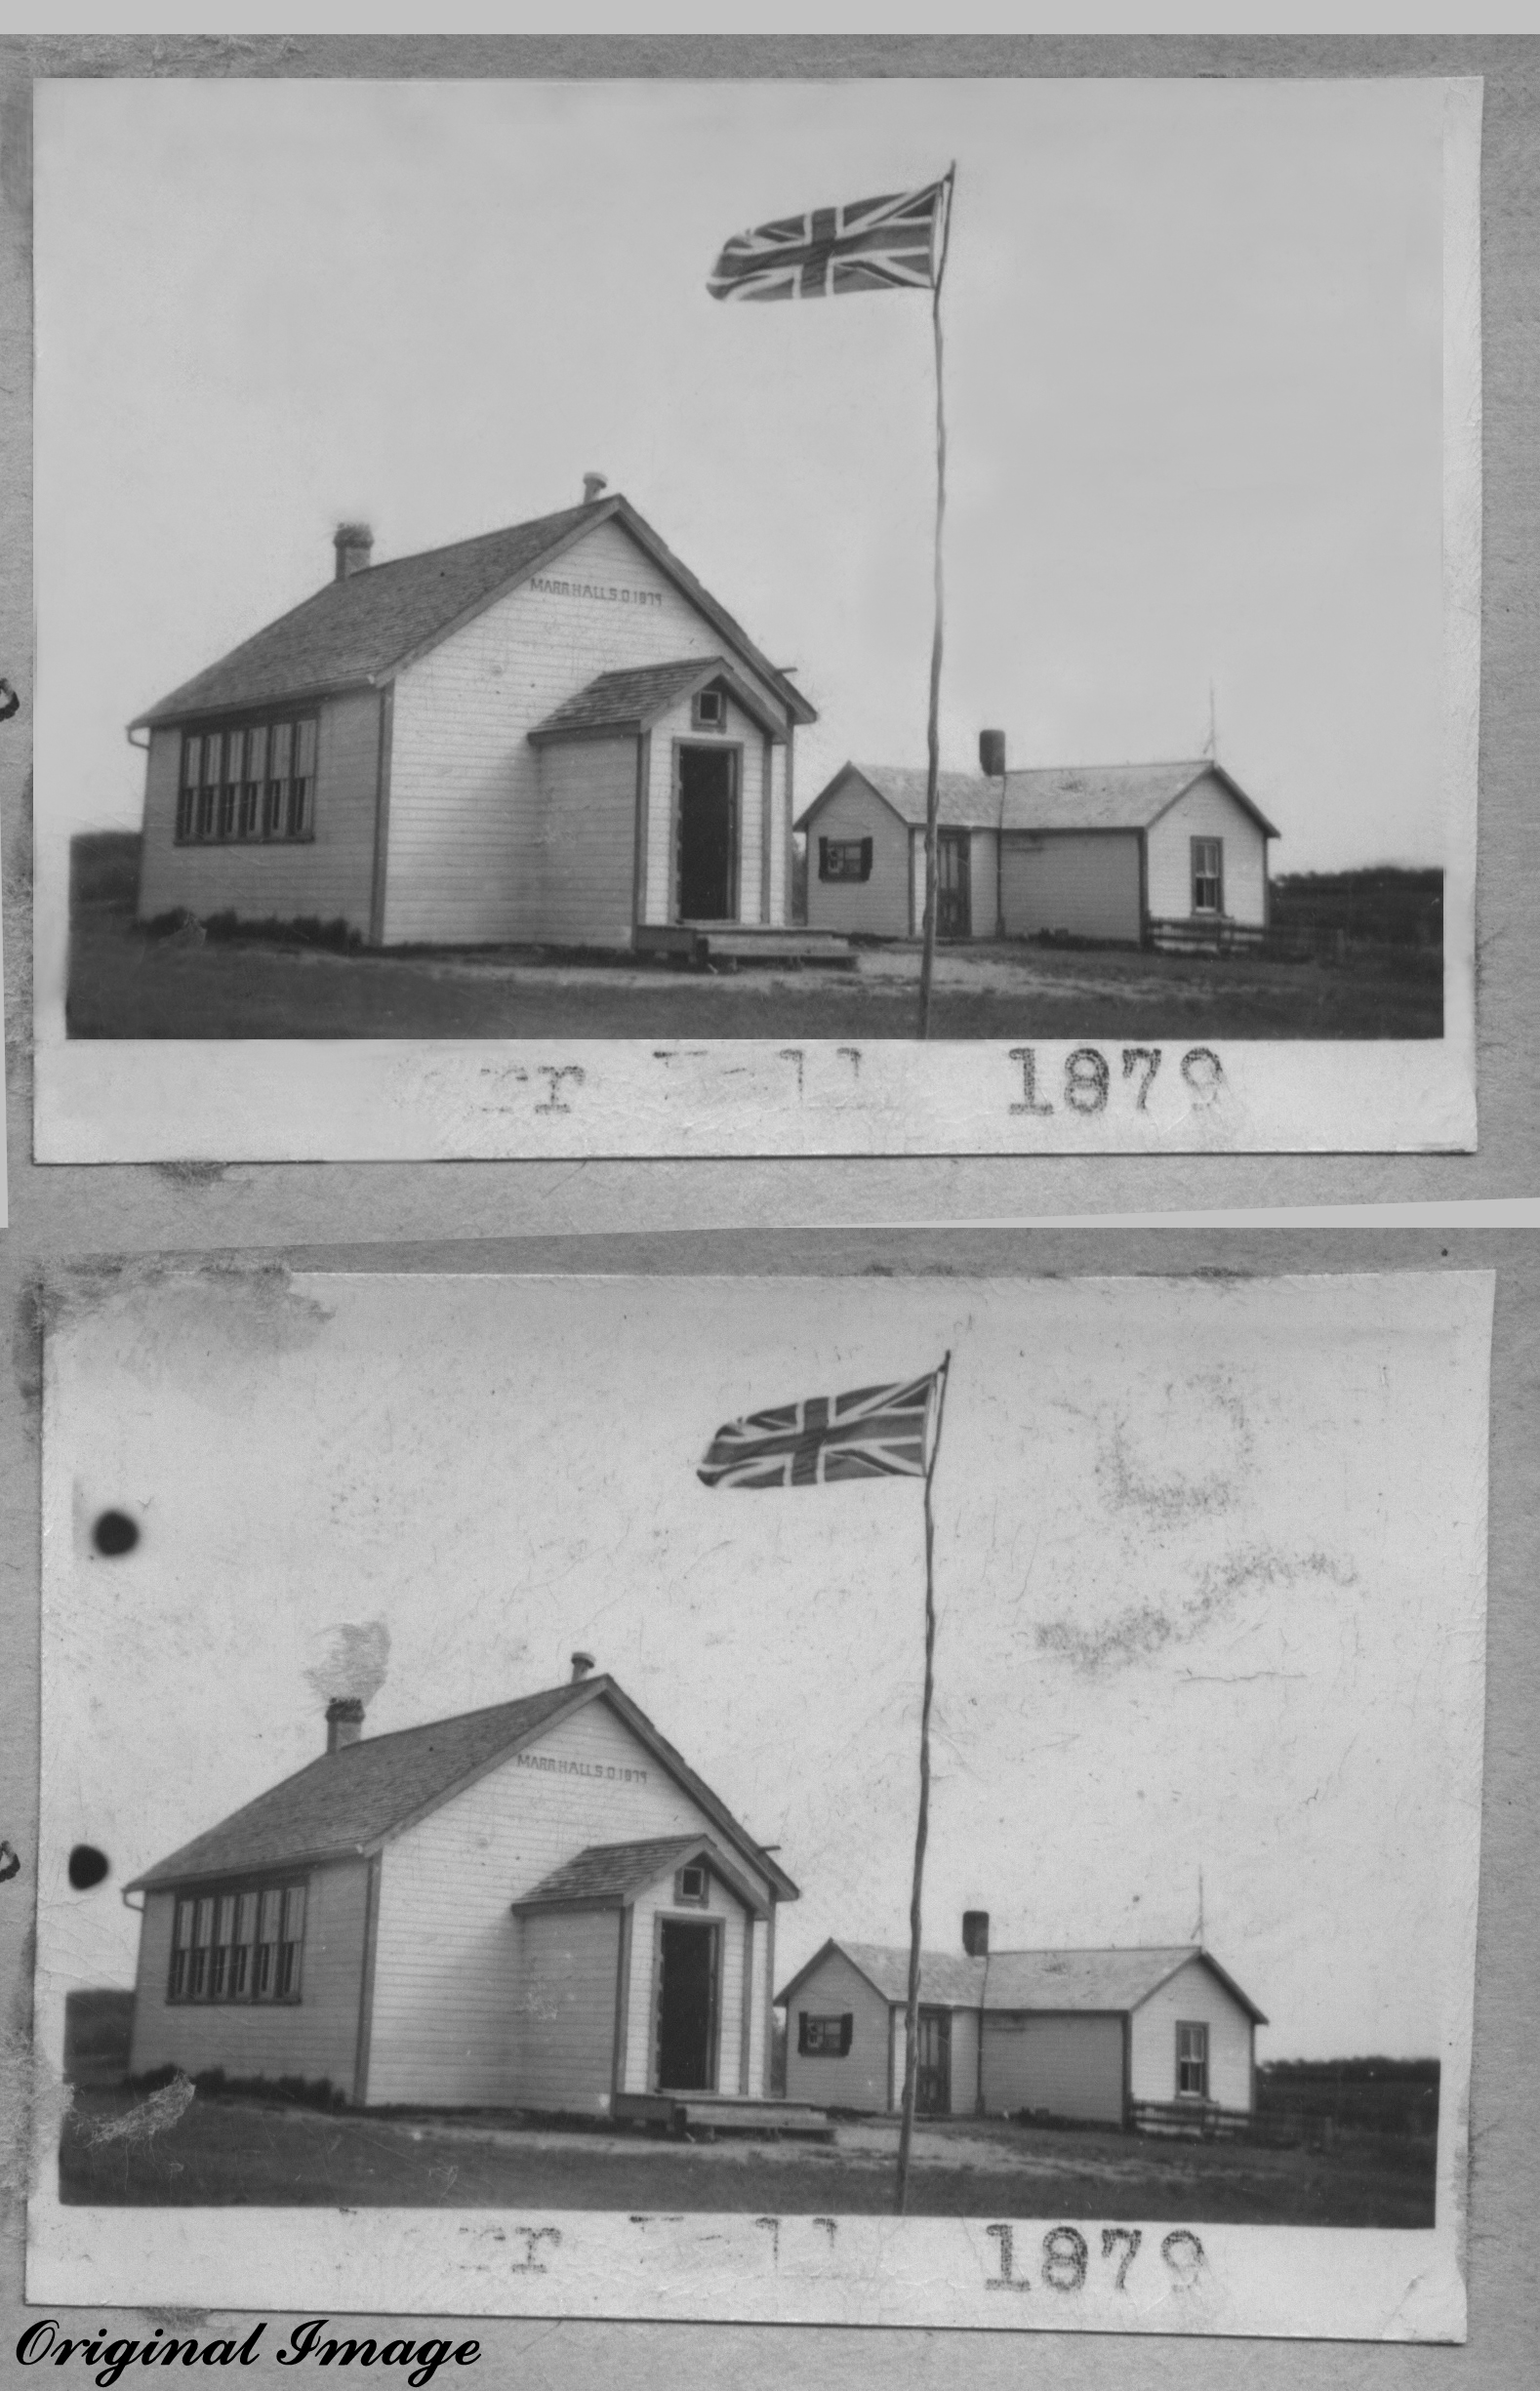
{"points": [[1033, 655], [849, 1800]]}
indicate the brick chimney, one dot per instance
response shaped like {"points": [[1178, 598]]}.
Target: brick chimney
{"points": [[352, 543], [582, 1665], [976, 1933], [593, 485], [345, 1720]]}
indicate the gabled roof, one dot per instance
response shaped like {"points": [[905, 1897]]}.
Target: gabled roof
{"points": [[632, 699], [351, 1801], [947, 1978], [358, 632], [1055, 797], [607, 1876], [1014, 1981]]}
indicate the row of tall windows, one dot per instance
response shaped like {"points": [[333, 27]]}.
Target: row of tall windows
{"points": [[255, 782], [238, 1946]]}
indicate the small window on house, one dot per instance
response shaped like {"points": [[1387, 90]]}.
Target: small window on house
{"points": [[690, 1883], [709, 710], [255, 782], [824, 2038], [1191, 2061], [844, 858], [182, 1951], [1208, 876]]}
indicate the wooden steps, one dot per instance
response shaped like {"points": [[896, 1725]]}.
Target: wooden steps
{"points": [[699, 2117], [725, 945]]}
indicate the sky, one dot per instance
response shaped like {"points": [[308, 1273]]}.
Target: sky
{"points": [[1192, 390], [1208, 1570]]}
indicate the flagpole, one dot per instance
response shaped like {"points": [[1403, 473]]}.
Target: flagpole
{"points": [[922, 1821], [933, 725]]}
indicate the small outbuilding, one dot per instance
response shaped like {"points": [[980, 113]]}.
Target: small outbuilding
{"points": [[550, 734], [1153, 2036], [536, 1905], [1139, 854]]}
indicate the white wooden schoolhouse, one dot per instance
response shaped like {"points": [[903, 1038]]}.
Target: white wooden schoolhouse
{"points": [[1169, 855], [1146, 2037], [550, 734], [539, 1905]]}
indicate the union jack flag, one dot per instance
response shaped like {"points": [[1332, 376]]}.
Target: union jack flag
{"points": [[888, 244], [876, 1432]]}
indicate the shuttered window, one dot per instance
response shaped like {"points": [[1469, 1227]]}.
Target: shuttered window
{"points": [[844, 858], [251, 784], [242, 1945], [824, 2038]]}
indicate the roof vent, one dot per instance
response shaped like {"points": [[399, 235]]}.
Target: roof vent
{"points": [[345, 1720], [593, 484], [976, 1933], [352, 543], [582, 1664]]}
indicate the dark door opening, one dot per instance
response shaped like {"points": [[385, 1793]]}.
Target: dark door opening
{"points": [[708, 835], [953, 895], [687, 2009], [933, 2063]]}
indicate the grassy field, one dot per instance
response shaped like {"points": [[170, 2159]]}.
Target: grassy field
{"points": [[226, 2150], [126, 984]]}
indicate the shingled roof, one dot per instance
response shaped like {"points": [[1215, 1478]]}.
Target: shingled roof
{"points": [[1110, 1981], [352, 1800], [606, 1875], [358, 632], [633, 699], [1055, 797]]}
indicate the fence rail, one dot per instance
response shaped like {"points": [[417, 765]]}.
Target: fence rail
{"points": [[1199, 2119]]}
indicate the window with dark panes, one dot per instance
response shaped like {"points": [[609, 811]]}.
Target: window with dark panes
{"points": [[1208, 876], [824, 2038], [844, 858], [1192, 2061], [256, 781], [239, 1945]]}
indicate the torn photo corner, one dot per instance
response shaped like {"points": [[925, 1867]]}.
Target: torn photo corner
{"points": [[505, 691], [494, 1729]]}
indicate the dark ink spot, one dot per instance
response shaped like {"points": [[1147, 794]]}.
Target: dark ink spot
{"points": [[87, 1867], [114, 1533], [9, 701], [10, 1864]]}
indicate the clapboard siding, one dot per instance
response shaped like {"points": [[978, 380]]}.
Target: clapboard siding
{"points": [[314, 2036], [1193, 1995], [1207, 810], [746, 736], [964, 2062], [588, 804], [722, 1909], [879, 905], [1073, 2066], [445, 1975], [859, 2078], [778, 845], [327, 877], [1085, 883], [567, 1976], [984, 889], [465, 781]]}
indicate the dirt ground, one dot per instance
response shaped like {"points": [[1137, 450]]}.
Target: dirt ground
{"points": [[224, 2149], [123, 984]]}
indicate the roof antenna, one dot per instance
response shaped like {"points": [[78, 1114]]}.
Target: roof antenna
{"points": [[1201, 1908], [1211, 750]]}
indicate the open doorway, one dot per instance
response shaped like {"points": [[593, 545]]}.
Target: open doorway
{"points": [[706, 861], [687, 1994], [954, 891]]}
